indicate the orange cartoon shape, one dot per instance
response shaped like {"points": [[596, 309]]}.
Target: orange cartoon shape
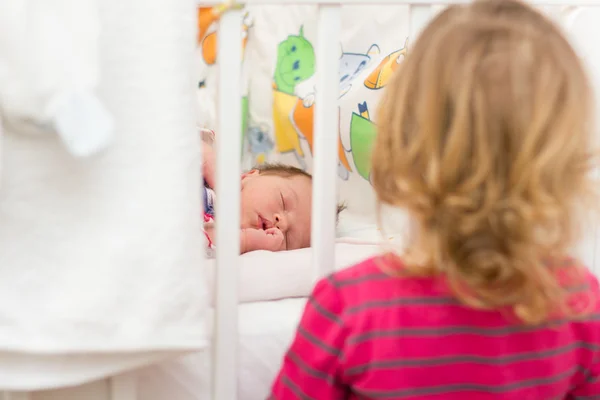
{"points": [[303, 119], [295, 64], [207, 34], [382, 74]]}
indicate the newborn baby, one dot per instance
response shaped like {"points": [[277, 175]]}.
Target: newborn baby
{"points": [[275, 204]]}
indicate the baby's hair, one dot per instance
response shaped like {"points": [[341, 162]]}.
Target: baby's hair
{"points": [[282, 170], [288, 171], [484, 138]]}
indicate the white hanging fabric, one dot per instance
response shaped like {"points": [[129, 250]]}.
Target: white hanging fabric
{"points": [[100, 222], [49, 70]]}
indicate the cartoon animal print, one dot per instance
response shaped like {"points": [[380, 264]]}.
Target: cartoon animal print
{"points": [[362, 136], [382, 74], [352, 64], [303, 119], [260, 144], [295, 64], [207, 16]]}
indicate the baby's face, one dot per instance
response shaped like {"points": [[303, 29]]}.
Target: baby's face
{"points": [[272, 201]]}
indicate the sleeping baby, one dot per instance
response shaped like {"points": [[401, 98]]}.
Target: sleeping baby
{"points": [[275, 204]]}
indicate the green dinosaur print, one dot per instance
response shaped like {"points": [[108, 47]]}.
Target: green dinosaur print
{"points": [[295, 62]]}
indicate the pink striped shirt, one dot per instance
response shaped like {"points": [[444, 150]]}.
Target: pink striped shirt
{"points": [[366, 335]]}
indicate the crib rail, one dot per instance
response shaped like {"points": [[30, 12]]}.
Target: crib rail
{"points": [[325, 145], [228, 205]]}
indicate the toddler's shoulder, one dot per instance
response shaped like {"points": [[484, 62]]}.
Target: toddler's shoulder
{"points": [[592, 280], [366, 280], [368, 270], [350, 286], [592, 285], [580, 283]]}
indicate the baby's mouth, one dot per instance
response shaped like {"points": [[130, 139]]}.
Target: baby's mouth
{"points": [[263, 223]]}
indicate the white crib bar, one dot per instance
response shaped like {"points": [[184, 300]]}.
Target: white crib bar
{"points": [[326, 139], [227, 208]]}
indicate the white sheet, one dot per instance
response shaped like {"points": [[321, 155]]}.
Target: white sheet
{"points": [[266, 330], [267, 275]]}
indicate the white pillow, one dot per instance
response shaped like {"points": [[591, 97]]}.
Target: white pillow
{"points": [[266, 275]]}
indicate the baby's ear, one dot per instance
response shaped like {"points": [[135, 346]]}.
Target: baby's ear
{"points": [[252, 172]]}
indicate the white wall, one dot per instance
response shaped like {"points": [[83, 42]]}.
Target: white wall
{"points": [[583, 26]]}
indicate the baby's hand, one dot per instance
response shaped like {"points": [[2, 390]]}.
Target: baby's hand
{"points": [[271, 239]]}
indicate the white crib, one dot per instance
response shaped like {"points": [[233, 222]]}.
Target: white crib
{"points": [[225, 356]]}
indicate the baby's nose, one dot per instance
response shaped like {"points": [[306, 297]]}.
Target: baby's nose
{"points": [[280, 222]]}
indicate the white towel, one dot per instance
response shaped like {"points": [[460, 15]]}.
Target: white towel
{"points": [[49, 70], [103, 254]]}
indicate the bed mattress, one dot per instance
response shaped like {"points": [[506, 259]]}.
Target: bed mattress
{"points": [[265, 332]]}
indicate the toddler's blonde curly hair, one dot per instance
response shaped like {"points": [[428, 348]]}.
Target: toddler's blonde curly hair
{"points": [[484, 137]]}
